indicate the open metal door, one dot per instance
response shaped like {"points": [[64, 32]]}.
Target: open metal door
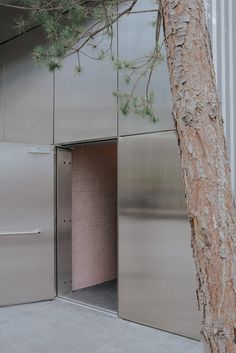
{"points": [[64, 225], [26, 224], [156, 269]]}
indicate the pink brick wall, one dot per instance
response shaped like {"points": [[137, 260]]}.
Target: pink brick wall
{"points": [[94, 220]]}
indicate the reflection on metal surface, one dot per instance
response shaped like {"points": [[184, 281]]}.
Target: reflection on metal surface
{"points": [[64, 214], [133, 29], [156, 268], [26, 211], [28, 93], [39, 150], [85, 108]]}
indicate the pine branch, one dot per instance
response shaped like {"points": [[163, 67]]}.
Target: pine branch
{"points": [[65, 23]]}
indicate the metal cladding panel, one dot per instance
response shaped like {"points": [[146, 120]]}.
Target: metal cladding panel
{"points": [[7, 22], [64, 215], [1, 93], [222, 27], [156, 268], [136, 40], [85, 108], [28, 93], [26, 223]]}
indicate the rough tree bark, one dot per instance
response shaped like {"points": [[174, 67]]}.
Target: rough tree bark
{"points": [[206, 171]]}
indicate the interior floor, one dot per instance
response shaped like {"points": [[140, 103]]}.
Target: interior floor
{"points": [[103, 296]]}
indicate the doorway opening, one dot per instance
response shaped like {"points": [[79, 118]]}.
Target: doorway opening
{"points": [[93, 248]]}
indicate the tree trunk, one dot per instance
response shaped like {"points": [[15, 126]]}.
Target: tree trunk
{"points": [[206, 171]]}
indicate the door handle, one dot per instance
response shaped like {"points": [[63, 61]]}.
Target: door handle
{"points": [[33, 232]]}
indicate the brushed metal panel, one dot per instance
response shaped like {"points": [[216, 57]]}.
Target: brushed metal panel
{"points": [[7, 22], [28, 93], [26, 209], [233, 95], [137, 39], [64, 215], [221, 24], [85, 108], [1, 92], [156, 268]]}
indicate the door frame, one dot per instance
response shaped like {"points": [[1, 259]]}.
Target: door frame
{"points": [[64, 215]]}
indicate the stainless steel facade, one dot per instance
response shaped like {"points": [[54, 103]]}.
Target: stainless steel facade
{"points": [[26, 223], [222, 26], [1, 92], [85, 108], [156, 268], [64, 216], [28, 92], [157, 277], [7, 22], [136, 28]]}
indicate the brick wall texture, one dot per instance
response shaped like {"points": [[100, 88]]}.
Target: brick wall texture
{"points": [[94, 214]]}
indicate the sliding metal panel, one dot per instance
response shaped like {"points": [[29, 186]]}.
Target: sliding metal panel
{"points": [[28, 93], [26, 224], [133, 29], [64, 214], [156, 268], [1, 92], [85, 107]]}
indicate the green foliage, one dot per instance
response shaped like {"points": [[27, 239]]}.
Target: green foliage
{"points": [[101, 55], [134, 72], [139, 105], [78, 69], [20, 25], [73, 26]]}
